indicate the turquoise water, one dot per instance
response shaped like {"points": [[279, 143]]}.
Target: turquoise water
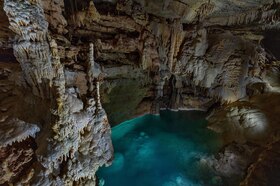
{"points": [[162, 150]]}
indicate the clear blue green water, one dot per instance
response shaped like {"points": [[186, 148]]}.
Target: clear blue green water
{"points": [[162, 150]]}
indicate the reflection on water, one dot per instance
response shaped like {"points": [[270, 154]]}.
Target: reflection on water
{"points": [[163, 150]]}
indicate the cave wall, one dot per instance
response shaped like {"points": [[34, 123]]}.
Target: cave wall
{"points": [[69, 68], [185, 55]]}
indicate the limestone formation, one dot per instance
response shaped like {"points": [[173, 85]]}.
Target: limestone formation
{"points": [[66, 65]]}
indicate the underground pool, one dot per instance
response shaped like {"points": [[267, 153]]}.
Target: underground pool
{"points": [[162, 150]]}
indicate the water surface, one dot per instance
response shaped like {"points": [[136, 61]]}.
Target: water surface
{"points": [[162, 150]]}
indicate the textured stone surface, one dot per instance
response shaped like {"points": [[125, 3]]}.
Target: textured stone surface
{"points": [[255, 122], [15, 160], [74, 138], [134, 57], [265, 170], [232, 161]]}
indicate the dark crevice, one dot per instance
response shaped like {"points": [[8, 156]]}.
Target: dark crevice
{"points": [[73, 6], [106, 8], [271, 43], [7, 56]]}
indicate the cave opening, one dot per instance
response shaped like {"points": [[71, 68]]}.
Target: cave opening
{"points": [[151, 147]]}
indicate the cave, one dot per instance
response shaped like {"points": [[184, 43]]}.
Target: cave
{"points": [[140, 92]]}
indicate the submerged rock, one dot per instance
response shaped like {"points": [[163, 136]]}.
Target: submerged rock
{"points": [[118, 162]]}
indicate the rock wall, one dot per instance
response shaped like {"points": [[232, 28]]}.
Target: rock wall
{"points": [[73, 134], [73, 60], [180, 59]]}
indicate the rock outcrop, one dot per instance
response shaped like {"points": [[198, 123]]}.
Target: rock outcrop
{"points": [[251, 128], [74, 138], [64, 63]]}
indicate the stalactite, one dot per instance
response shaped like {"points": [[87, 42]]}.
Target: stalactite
{"points": [[32, 49]]}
